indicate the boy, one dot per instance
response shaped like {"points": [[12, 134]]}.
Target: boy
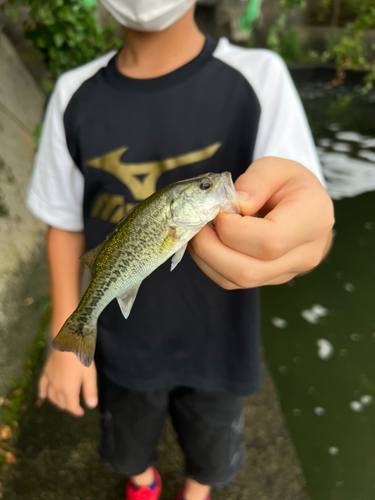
{"points": [[173, 104]]}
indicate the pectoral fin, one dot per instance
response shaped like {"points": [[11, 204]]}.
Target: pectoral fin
{"points": [[126, 300], [177, 257]]}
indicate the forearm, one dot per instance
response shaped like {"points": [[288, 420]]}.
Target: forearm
{"points": [[64, 249]]}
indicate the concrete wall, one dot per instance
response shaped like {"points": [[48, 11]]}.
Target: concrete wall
{"points": [[22, 264]]}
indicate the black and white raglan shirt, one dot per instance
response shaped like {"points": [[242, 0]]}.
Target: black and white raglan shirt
{"points": [[110, 141]]}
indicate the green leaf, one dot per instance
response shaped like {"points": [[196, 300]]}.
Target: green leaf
{"points": [[58, 39]]}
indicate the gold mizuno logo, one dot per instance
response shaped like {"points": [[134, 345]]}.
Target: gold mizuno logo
{"points": [[141, 178]]}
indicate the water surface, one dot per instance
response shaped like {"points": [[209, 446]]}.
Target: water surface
{"points": [[319, 330]]}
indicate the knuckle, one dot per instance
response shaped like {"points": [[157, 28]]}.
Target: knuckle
{"points": [[327, 208], [198, 245], [330, 219], [312, 261], [246, 278], [272, 248]]}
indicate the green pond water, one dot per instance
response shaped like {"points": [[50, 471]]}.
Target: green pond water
{"points": [[319, 330]]}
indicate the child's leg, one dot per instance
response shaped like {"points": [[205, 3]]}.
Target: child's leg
{"points": [[131, 426], [195, 491], [144, 479], [209, 428]]}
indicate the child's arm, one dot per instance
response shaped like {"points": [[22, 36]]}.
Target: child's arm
{"points": [[63, 375], [295, 233]]}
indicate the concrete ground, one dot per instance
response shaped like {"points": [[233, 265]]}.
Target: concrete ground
{"points": [[57, 457]]}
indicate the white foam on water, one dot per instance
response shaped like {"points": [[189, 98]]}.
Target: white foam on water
{"points": [[349, 287], [342, 147], [369, 226], [320, 310], [325, 143], [334, 127], [333, 450], [368, 155], [356, 406], [347, 177], [309, 316], [325, 349], [368, 143], [279, 322], [297, 412], [350, 136], [319, 411], [366, 399], [314, 314], [355, 337]]}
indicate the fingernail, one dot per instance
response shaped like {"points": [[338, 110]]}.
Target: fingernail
{"points": [[243, 195], [92, 402]]}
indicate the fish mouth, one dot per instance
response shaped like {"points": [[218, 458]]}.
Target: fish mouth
{"points": [[228, 194]]}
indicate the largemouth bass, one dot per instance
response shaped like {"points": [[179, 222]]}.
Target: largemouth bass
{"points": [[158, 228]]}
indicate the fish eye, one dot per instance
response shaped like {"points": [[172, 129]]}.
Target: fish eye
{"points": [[205, 184]]}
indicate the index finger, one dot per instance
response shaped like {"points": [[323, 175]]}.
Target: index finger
{"points": [[295, 220], [298, 210], [268, 176]]}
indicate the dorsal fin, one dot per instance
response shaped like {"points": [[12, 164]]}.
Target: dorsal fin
{"points": [[89, 257]]}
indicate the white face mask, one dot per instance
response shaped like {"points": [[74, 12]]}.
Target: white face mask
{"points": [[147, 15]]}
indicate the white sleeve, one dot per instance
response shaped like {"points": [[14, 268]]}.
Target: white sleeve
{"points": [[56, 191], [283, 128]]}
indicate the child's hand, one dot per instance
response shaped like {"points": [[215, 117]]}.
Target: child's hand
{"points": [[61, 381], [292, 238]]}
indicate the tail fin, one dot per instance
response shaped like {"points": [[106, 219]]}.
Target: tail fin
{"points": [[78, 337]]}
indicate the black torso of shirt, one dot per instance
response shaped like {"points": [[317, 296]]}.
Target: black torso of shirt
{"points": [[130, 137]]}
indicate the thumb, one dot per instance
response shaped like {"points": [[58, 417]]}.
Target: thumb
{"points": [[262, 180], [89, 387]]}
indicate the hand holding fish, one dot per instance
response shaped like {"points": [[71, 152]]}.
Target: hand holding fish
{"points": [[292, 238]]}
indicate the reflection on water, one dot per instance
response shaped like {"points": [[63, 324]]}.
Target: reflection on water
{"points": [[349, 168], [319, 330]]}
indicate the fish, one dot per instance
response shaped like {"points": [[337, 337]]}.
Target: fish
{"points": [[158, 228]]}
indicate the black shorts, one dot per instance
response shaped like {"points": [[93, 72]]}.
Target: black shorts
{"points": [[209, 428]]}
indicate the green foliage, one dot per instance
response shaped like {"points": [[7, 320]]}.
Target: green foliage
{"points": [[66, 33], [346, 48], [279, 28], [17, 399], [290, 46], [342, 103], [37, 133]]}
